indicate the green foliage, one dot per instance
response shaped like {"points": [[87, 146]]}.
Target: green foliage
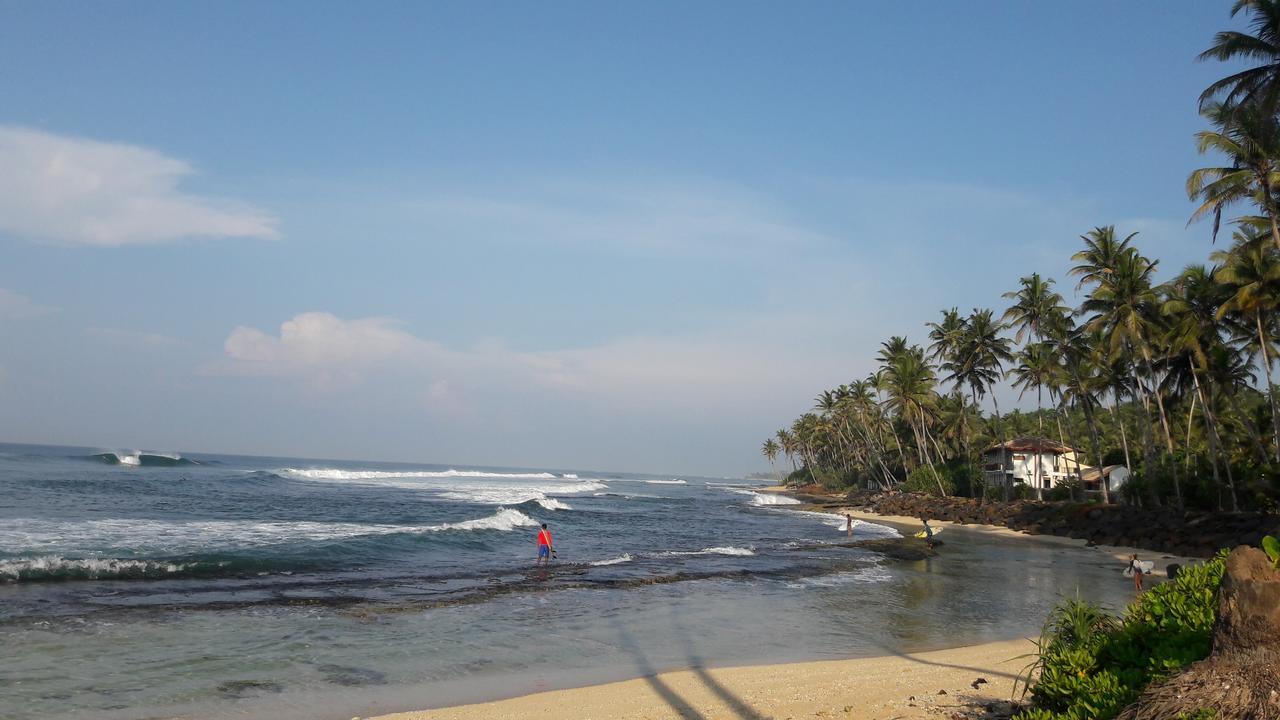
{"points": [[1271, 546], [922, 480], [1092, 665]]}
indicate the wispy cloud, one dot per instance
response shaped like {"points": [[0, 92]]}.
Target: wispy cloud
{"points": [[17, 306], [651, 217], [85, 192], [662, 376], [133, 337]]}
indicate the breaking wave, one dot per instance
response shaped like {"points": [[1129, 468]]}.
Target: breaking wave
{"points": [[336, 474], [173, 538], [48, 568], [142, 459], [772, 499], [666, 482]]}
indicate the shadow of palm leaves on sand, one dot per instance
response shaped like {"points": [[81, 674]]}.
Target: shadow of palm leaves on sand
{"points": [[673, 699], [737, 704]]}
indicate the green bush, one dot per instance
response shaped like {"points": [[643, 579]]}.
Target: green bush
{"points": [[1092, 665], [922, 480]]}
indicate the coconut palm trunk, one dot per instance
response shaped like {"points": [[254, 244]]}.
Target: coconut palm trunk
{"points": [[1097, 449], [1215, 442], [1271, 393], [1164, 424]]}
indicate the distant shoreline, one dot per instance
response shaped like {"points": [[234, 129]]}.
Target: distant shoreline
{"points": [[910, 525]]}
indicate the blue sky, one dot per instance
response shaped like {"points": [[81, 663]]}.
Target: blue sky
{"points": [[620, 236]]}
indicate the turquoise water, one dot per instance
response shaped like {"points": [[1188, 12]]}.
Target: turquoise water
{"points": [[220, 586]]}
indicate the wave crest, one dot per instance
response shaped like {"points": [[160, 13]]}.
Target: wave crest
{"points": [[142, 459], [338, 474]]}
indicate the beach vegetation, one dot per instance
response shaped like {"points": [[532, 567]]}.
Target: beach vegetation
{"points": [[1089, 665], [1271, 546]]}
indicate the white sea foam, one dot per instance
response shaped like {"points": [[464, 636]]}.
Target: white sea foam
{"points": [[49, 566], [666, 482], [569, 476], [772, 499], [623, 558], [860, 527], [871, 574], [725, 550], [488, 489], [26, 535], [336, 474], [553, 504]]}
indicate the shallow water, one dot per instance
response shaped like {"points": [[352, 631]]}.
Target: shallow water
{"points": [[281, 587]]}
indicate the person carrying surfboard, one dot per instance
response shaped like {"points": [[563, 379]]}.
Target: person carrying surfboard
{"points": [[928, 531], [545, 549], [1137, 570]]}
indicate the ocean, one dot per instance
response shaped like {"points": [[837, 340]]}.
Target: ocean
{"points": [[143, 585]]}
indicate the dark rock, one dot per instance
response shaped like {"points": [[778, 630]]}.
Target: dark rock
{"points": [[239, 689], [352, 676]]}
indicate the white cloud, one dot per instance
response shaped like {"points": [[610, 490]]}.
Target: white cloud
{"points": [[85, 192], [17, 306]]}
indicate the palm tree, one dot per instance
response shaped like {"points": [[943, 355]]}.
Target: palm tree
{"points": [[947, 336], [1252, 270], [787, 442], [1256, 86], [1250, 139], [1037, 367], [1126, 307], [983, 354], [770, 450], [1101, 254], [1192, 304], [1035, 305], [909, 383], [1084, 382]]}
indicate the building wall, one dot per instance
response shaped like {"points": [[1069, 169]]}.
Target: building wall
{"points": [[1054, 468]]}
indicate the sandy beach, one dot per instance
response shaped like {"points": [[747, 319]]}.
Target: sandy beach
{"points": [[881, 688]]}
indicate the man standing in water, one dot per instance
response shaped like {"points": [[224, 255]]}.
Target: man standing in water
{"points": [[545, 550], [848, 525]]}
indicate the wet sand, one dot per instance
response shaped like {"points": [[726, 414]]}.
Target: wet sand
{"points": [[894, 686]]}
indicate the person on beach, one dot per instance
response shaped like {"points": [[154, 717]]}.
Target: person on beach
{"points": [[1135, 568], [848, 525], [545, 549], [928, 531]]}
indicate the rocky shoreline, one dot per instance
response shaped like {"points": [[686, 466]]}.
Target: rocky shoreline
{"points": [[1164, 530]]}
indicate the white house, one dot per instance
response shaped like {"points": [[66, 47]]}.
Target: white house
{"points": [[1115, 475], [1038, 463]]}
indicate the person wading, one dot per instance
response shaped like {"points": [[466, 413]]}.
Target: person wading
{"points": [[546, 550]]}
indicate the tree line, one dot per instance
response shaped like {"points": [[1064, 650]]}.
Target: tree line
{"points": [[1173, 379]]}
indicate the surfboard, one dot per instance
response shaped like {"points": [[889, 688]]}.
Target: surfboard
{"points": [[1146, 566], [923, 534]]}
